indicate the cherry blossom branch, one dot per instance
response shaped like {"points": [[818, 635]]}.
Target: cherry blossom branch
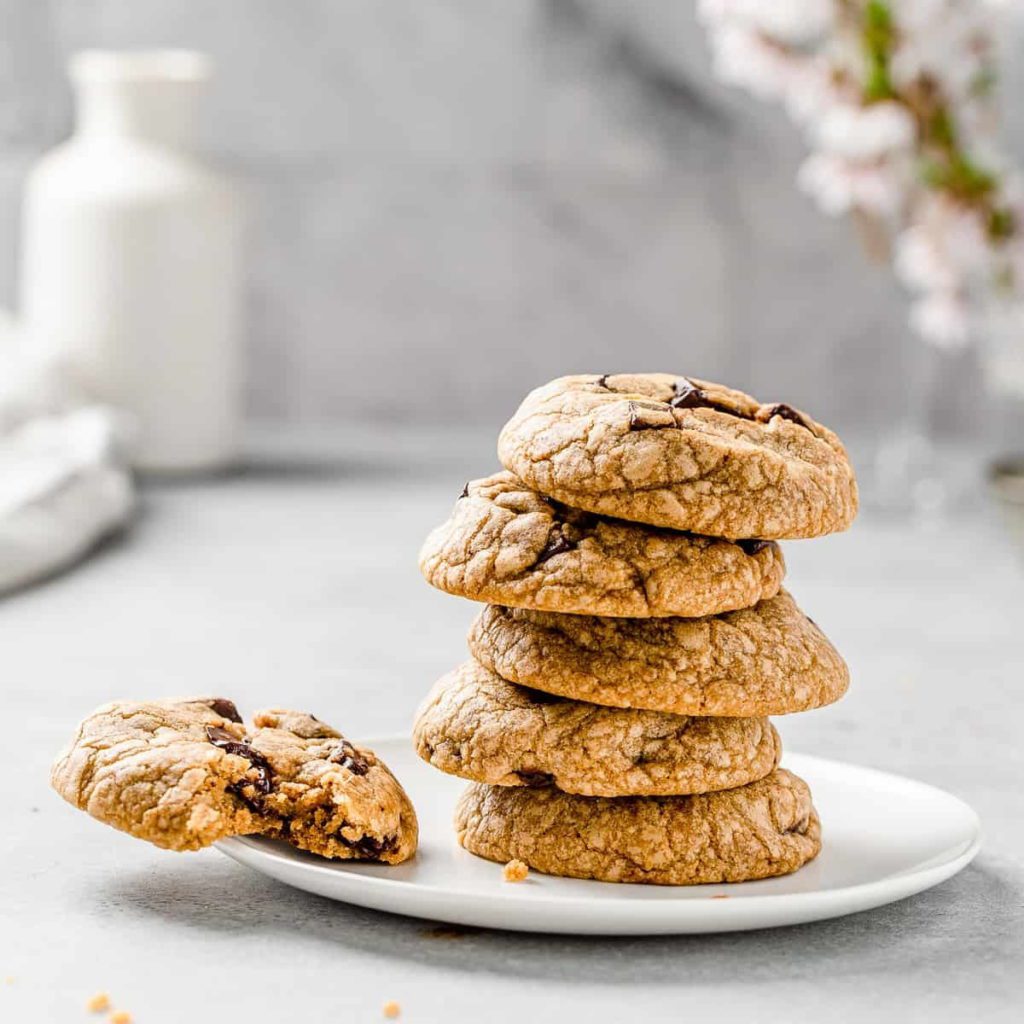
{"points": [[894, 96]]}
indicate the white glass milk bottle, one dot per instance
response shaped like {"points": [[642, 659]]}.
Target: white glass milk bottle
{"points": [[131, 254]]}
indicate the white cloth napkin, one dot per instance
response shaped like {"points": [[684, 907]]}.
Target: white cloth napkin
{"points": [[64, 479]]}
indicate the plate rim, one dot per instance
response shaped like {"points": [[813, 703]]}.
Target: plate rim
{"points": [[249, 850]]}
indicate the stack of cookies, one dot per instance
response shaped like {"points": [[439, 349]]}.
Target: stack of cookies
{"points": [[614, 714]]}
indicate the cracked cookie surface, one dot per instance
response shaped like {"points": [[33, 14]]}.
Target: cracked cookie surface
{"points": [[508, 544], [761, 830], [183, 774], [478, 726], [766, 660], [682, 453]]}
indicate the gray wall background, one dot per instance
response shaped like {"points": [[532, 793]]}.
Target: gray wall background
{"points": [[457, 199]]}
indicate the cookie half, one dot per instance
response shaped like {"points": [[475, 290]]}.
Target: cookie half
{"points": [[510, 545], [766, 660], [683, 453], [182, 774], [478, 726], [767, 828]]}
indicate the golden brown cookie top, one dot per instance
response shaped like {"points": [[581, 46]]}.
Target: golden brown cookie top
{"points": [[506, 543], [185, 773], [478, 726], [682, 453], [767, 660], [757, 831]]}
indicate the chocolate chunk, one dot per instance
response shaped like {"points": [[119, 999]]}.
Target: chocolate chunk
{"points": [[752, 547], [369, 847], [540, 697], [465, 491], [224, 707], [535, 779], [348, 757], [556, 545], [787, 412], [602, 381], [225, 741], [637, 420]]}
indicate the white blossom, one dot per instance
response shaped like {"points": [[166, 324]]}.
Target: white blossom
{"points": [[920, 263], [865, 133], [839, 185], [942, 318], [793, 22], [745, 59]]}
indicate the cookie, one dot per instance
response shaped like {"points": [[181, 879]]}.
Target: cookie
{"points": [[682, 453], [764, 829], [478, 726], [766, 660], [182, 774], [510, 545]]}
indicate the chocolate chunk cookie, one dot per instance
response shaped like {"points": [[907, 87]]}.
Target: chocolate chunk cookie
{"points": [[508, 544], [767, 828], [184, 773], [682, 453], [477, 725], [766, 660]]}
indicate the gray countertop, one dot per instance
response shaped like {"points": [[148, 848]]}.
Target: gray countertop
{"points": [[296, 583]]}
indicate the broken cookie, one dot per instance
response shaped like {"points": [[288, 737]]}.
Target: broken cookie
{"points": [[183, 774]]}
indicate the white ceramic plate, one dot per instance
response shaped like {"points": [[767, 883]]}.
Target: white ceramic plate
{"points": [[885, 838]]}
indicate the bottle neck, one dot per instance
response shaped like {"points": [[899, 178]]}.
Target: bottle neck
{"points": [[136, 97]]}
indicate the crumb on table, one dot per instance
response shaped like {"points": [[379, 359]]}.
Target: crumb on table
{"points": [[391, 1009], [515, 871], [98, 1003], [121, 1017]]}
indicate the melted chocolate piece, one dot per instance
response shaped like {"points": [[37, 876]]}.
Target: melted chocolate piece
{"points": [[254, 801], [225, 741], [348, 757], [787, 412], [752, 547], [369, 847], [556, 545], [689, 396], [534, 779], [602, 381], [686, 395], [224, 707], [465, 491]]}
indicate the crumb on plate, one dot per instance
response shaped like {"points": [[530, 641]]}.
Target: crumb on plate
{"points": [[120, 1017], [98, 1003], [515, 871], [391, 1009]]}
